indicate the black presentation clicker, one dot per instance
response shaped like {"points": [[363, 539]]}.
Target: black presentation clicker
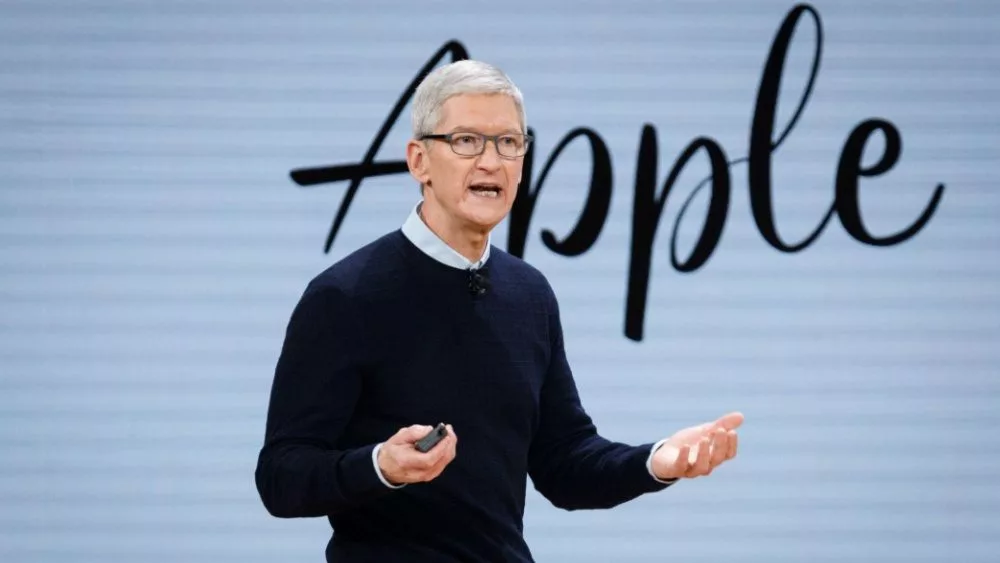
{"points": [[432, 438]]}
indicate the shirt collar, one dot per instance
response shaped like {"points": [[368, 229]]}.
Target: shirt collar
{"points": [[430, 244]]}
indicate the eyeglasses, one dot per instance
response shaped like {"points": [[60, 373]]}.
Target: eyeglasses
{"points": [[509, 145]]}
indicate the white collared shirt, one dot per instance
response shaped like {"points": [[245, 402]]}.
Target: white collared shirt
{"points": [[424, 238]]}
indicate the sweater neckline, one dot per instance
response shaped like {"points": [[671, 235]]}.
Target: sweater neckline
{"points": [[436, 277], [420, 259]]}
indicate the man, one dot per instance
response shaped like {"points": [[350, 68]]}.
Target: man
{"points": [[431, 324]]}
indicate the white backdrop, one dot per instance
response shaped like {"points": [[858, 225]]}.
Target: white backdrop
{"points": [[152, 246]]}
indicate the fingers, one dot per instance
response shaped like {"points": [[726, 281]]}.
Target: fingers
{"points": [[708, 453], [445, 452], [720, 447], [730, 421], [410, 434], [454, 440], [702, 464], [401, 462], [681, 464]]}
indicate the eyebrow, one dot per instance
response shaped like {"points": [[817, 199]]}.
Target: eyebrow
{"points": [[465, 129]]}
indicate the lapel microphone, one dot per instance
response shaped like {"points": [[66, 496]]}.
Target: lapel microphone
{"points": [[479, 281]]}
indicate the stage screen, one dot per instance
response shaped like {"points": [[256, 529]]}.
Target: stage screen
{"points": [[802, 223]]}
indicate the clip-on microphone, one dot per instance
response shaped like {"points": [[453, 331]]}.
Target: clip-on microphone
{"points": [[479, 281]]}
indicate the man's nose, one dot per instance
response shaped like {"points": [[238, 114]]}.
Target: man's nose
{"points": [[489, 159]]}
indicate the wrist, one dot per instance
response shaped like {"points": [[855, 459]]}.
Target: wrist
{"points": [[654, 464], [379, 461]]}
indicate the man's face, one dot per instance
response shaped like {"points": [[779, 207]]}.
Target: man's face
{"points": [[471, 191]]}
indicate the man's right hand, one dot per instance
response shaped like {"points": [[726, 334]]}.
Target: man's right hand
{"points": [[400, 462]]}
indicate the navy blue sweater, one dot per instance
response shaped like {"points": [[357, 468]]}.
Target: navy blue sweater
{"points": [[389, 337]]}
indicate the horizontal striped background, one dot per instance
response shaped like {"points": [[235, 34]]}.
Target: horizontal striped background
{"points": [[152, 246]]}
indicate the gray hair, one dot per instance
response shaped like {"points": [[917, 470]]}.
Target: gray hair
{"points": [[460, 77]]}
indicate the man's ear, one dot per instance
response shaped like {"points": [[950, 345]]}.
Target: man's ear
{"points": [[416, 161]]}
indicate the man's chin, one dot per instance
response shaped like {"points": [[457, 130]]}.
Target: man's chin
{"points": [[486, 219], [482, 224]]}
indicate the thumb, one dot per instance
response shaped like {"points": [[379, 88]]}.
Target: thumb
{"points": [[730, 421], [410, 434]]}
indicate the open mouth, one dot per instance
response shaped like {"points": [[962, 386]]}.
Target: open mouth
{"points": [[486, 190]]}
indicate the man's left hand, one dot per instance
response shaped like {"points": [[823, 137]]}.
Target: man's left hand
{"points": [[696, 451]]}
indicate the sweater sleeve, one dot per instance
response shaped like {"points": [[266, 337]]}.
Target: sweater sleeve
{"points": [[569, 462], [300, 470]]}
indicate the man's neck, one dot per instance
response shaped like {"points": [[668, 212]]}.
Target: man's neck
{"points": [[469, 243]]}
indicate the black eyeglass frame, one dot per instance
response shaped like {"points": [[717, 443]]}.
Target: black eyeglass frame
{"points": [[486, 139]]}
